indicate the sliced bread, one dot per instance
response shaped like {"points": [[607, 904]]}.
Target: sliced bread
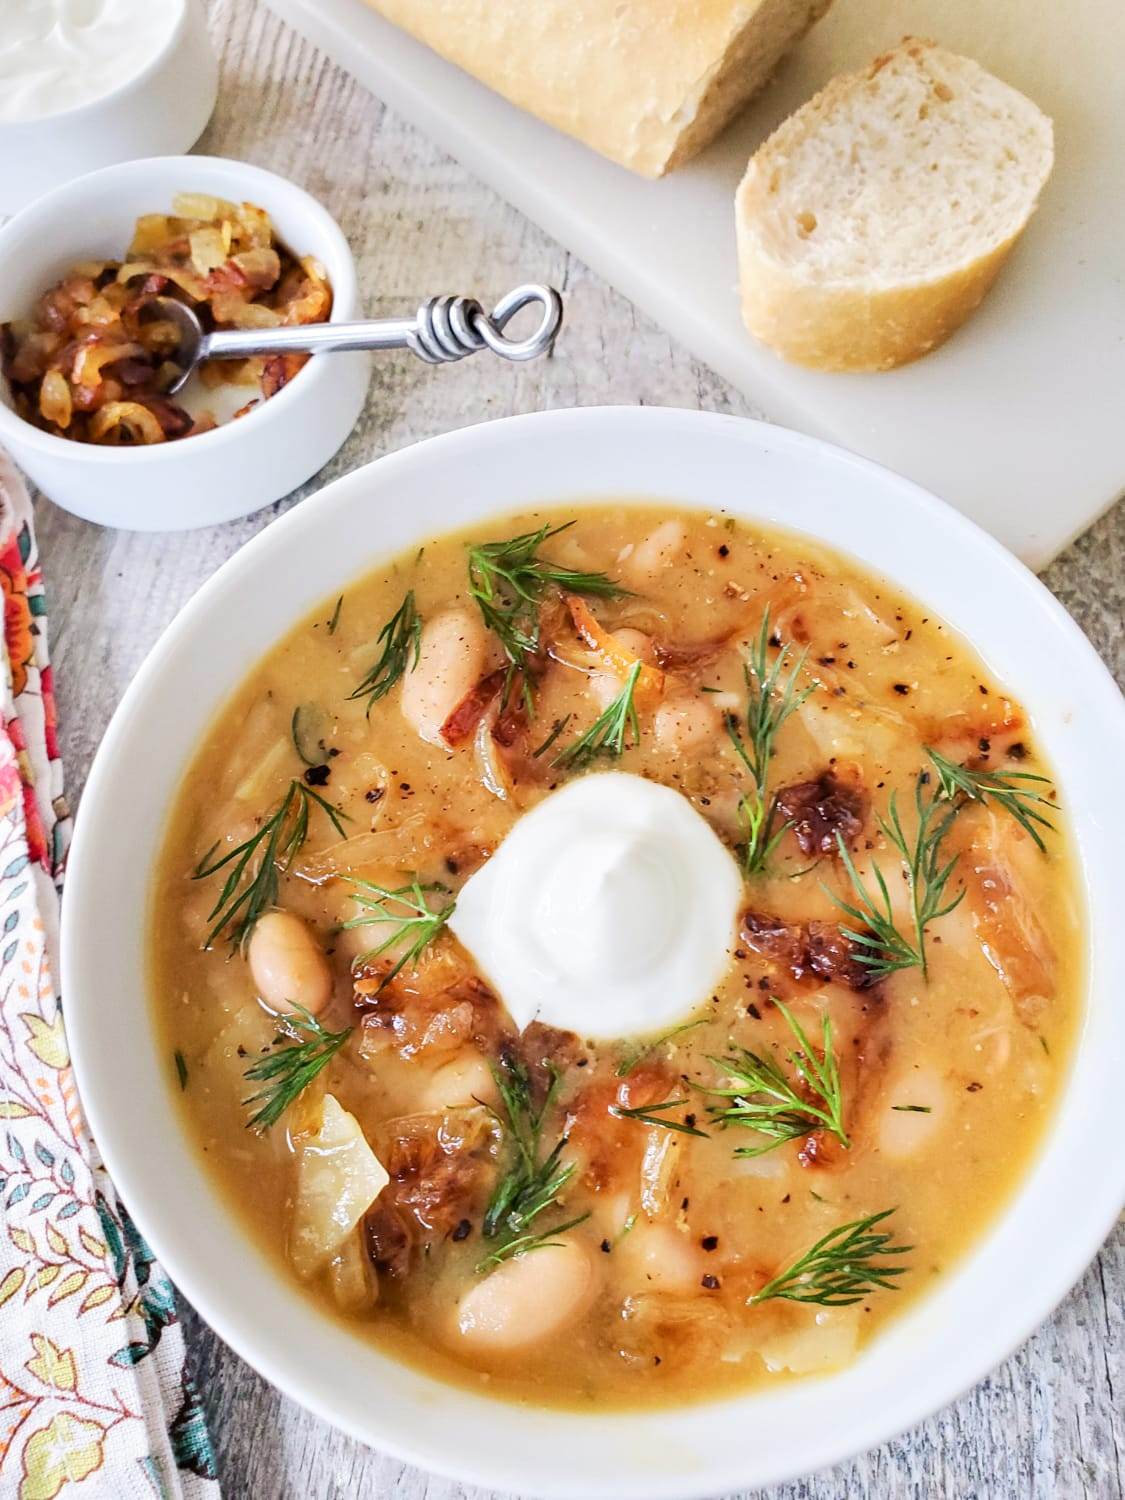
{"points": [[646, 82], [873, 221]]}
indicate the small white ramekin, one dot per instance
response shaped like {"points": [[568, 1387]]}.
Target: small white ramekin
{"points": [[238, 467], [162, 109]]}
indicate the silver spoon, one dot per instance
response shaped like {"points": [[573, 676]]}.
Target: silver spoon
{"points": [[444, 329]]}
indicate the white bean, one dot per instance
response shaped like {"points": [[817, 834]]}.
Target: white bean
{"points": [[686, 722], [453, 656], [658, 1258], [526, 1299], [605, 686], [287, 964], [458, 1083], [657, 551], [915, 1112], [637, 642]]}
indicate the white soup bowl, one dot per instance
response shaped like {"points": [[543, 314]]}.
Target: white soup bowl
{"points": [[940, 1345]]}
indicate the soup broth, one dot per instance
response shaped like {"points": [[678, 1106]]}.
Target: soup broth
{"points": [[659, 1216]]}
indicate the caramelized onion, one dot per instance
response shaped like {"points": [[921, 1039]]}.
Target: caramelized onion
{"points": [[54, 399], [89, 364], [614, 655], [125, 421]]}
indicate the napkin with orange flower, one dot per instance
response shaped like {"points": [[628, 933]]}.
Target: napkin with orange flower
{"points": [[94, 1397]]}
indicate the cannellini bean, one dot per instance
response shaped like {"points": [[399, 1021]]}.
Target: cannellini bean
{"points": [[453, 656], [287, 964], [905, 1132], [686, 722], [637, 642], [526, 1299], [659, 1258], [462, 1081], [656, 551], [605, 686]]}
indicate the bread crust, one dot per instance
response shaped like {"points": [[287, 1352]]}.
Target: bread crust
{"points": [[647, 83], [850, 326], [857, 329]]}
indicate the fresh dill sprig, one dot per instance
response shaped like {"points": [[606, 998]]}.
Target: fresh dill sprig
{"points": [[532, 1182], [632, 1058], [846, 1265], [524, 1244], [401, 639], [883, 949], [288, 1071], [772, 695], [255, 865], [404, 908], [652, 1114], [757, 817], [771, 700], [766, 1100], [962, 783], [508, 580], [606, 735], [556, 729]]}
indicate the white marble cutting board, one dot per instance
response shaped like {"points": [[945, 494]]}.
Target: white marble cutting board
{"points": [[1019, 420]]}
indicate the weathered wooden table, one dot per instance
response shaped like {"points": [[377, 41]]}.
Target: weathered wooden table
{"points": [[1050, 1423]]}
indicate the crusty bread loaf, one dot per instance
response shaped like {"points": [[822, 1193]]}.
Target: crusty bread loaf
{"points": [[874, 220], [645, 82]]}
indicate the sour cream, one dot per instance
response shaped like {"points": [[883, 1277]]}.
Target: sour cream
{"points": [[609, 910], [58, 54]]}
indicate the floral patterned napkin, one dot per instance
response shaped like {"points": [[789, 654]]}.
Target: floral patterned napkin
{"points": [[94, 1397]]}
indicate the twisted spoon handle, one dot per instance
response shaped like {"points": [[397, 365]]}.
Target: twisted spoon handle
{"points": [[444, 329]]}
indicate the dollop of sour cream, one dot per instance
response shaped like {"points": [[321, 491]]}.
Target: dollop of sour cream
{"points": [[58, 54], [609, 910]]}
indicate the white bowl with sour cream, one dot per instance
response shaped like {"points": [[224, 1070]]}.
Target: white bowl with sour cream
{"points": [[87, 83], [976, 1314]]}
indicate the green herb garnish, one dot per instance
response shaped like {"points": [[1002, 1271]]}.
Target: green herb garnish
{"points": [[181, 1068], [407, 911], [532, 1182], [845, 1266], [771, 698], [508, 580], [652, 1114], [767, 1101], [960, 784], [883, 949], [624, 1230], [606, 735], [913, 1109], [287, 1071], [401, 639], [524, 1244], [335, 620], [255, 865], [556, 729], [628, 1063]]}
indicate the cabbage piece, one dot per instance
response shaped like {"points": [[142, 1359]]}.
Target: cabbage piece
{"points": [[352, 1278], [813, 1345], [338, 1179]]}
